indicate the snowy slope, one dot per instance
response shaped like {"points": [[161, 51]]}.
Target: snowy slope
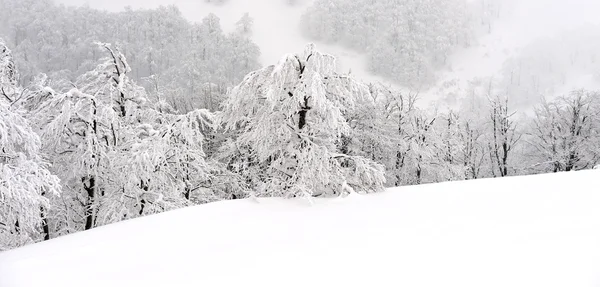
{"points": [[524, 231], [521, 23]]}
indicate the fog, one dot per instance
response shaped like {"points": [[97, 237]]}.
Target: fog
{"points": [[274, 22], [520, 23], [527, 19]]}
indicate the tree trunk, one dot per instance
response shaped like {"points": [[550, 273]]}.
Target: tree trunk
{"points": [[399, 165], [142, 206], [419, 170], [505, 159], [144, 187], [570, 162], [45, 227], [89, 206], [303, 111], [187, 193]]}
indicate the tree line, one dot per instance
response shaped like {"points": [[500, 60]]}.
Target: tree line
{"points": [[97, 142], [102, 151]]}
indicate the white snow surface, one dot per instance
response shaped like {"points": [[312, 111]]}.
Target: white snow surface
{"points": [[529, 231]]}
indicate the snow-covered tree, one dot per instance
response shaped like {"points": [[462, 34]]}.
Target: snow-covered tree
{"points": [[472, 150], [211, 64], [244, 25], [567, 132], [452, 147], [473, 129], [187, 57], [406, 40], [373, 129], [289, 117], [24, 176], [504, 135], [9, 76], [119, 155], [81, 130], [166, 167]]}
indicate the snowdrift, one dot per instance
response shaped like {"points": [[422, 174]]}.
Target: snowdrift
{"points": [[524, 231]]}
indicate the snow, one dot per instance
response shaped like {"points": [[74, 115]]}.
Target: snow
{"points": [[523, 231]]}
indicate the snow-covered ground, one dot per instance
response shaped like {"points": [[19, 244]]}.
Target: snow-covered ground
{"points": [[523, 231]]}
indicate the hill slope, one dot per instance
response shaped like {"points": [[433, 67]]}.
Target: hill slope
{"points": [[524, 231]]}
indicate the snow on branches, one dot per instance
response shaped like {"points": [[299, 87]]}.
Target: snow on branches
{"points": [[8, 71], [288, 118], [118, 156], [24, 175], [566, 131]]}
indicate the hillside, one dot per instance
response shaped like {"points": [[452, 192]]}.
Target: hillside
{"points": [[519, 24], [522, 231]]}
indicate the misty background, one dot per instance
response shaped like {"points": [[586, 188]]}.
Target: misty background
{"points": [[521, 30]]}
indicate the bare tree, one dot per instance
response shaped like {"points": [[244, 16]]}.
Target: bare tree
{"points": [[404, 108], [504, 135], [565, 131]]}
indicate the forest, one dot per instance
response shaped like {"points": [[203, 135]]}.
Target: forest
{"points": [[110, 116]]}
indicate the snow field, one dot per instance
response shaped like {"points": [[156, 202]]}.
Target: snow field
{"points": [[523, 231]]}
